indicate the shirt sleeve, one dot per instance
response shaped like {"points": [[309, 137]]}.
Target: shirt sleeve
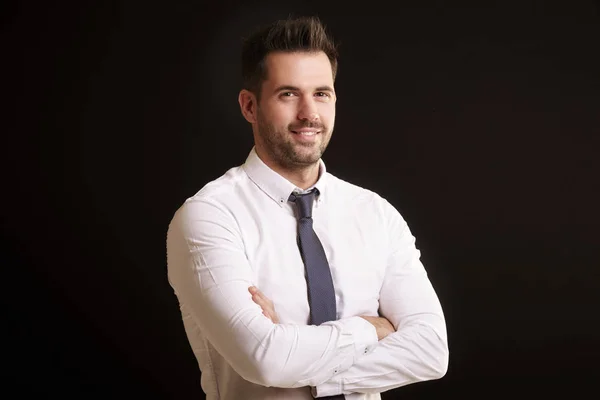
{"points": [[418, 350], [210, 275]]}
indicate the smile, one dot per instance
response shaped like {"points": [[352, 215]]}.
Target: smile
{"points": [[306, 133]]}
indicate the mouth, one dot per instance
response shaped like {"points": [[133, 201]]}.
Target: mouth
{"points": [[306, 133]]}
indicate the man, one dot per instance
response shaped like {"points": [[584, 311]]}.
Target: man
{"points": [[292, 283]]}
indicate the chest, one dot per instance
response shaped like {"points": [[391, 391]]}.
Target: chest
{"points": [[355, 247]]}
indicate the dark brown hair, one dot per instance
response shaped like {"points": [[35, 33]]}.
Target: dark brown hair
{"points": [[305, 34]]}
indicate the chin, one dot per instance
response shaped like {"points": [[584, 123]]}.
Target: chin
{"points": [[308, 159]]}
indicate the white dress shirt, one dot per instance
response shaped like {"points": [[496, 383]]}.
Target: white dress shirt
{"points": [[240, 231]]}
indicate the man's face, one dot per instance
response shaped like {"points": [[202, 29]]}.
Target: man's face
{"points": [[296, 112]]}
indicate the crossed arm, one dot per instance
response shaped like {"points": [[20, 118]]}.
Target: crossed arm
{"points": [[210, 275], [383, 327], [411, 330], [409, 351]]}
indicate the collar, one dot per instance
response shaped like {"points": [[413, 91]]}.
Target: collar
{"points": [[276, 186]]}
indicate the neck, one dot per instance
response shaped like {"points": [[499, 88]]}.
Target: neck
{"points": [[302, 176]]}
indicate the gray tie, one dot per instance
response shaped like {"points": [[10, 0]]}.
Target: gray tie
{"points": [[321, 294]]}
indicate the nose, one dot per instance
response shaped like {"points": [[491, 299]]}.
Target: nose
{"points": [[308, 111]]}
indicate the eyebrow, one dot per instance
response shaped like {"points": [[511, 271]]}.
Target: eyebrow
{"points": [[297, 89]]}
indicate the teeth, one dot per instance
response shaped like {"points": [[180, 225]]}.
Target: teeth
{"points": [[307, 133]]}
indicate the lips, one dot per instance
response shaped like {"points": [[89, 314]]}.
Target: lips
{"points": [[306, 133]]}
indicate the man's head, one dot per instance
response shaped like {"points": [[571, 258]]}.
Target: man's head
{"points": [[288, 95]]}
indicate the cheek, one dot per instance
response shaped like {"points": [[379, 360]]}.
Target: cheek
{"points": [[328, 113], [281, 115]]}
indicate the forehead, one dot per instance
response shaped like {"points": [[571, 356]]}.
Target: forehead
{"points": [[298, 69]]}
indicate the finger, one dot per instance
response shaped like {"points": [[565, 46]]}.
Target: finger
{"points": [[261, 302], [257, 295], [254, 291], [258, 301], [268, 315], [264, 297]]}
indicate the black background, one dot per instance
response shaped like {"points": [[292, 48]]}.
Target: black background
{"points": [[478, 121]]}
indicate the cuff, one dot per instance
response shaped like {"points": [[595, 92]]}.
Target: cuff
{"points": [[357, 332], [360, 334], [364, 335], [330, 388]]}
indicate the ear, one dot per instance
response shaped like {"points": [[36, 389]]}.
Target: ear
{"points": [[248, 105]]}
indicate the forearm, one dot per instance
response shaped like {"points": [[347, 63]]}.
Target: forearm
{"points": [[418, 350], [287, 355], [416, 353], [210, 275]]}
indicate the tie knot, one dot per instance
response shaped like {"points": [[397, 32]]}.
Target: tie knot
{"points": [[304, 203]]}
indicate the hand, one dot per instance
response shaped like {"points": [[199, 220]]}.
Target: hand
{"points": [[265, 303], [382, 326]]}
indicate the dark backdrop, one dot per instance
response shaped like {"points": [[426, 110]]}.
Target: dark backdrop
{"points": [[480, 122]]}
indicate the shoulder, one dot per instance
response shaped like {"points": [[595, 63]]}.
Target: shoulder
{"points": [[213, 197], [363, 200], [353, 193]]}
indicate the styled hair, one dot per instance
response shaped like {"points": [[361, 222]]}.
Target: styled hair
{"points": [[300, 34]]}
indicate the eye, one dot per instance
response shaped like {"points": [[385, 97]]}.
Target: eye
{"points": [[322, 94], [287, 94]]}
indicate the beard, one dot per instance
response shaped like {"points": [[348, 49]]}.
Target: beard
{"points": [[286, 151]]}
